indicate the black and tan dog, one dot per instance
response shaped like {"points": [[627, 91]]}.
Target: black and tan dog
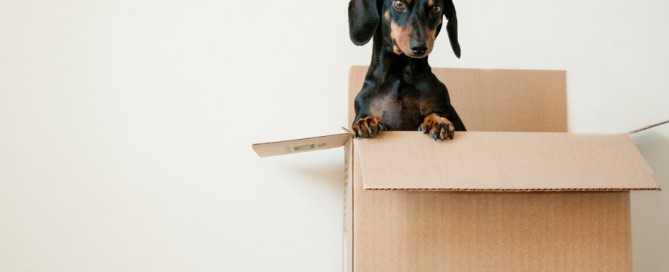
{"points": [[400, 92]]}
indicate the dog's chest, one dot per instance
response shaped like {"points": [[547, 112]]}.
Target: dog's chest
{"points": [[401, 108]]}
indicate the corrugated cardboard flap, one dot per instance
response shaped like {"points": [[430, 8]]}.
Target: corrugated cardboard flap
{"points": [[301, 145], [504, 161]]}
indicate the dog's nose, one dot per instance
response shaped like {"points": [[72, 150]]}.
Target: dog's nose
{"points": [[418, 49]]}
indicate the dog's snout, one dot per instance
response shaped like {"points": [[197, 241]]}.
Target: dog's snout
{"points": [[418, 48]]}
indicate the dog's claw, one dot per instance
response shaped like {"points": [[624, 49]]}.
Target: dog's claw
{"points": [[367, 127], [373, 130], [437, 127], [364, 130]]}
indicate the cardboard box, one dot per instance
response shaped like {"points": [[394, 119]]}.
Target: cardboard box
{"points": [[515, 193]]}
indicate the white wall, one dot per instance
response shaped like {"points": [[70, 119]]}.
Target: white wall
{"points": [[125, 126]]}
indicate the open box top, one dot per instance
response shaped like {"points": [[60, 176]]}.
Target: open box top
{"points": [[489, 161], [516, 142]]}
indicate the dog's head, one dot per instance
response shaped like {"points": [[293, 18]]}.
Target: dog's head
{"points": [[410, 25]]}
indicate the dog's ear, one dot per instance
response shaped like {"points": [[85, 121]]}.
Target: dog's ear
{"points": [[363, 18], [452, 26]]}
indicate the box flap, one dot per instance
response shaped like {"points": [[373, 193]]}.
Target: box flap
{"points": [[504, 161], [301, 145]]}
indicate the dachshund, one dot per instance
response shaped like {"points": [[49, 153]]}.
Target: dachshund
{"points": [[400, 91]]}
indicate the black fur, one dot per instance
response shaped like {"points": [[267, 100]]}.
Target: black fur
{"points": [[400, 92]]}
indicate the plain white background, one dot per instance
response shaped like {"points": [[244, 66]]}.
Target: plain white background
{"points": [[126, 126]]}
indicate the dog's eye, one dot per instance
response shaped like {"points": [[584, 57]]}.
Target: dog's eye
{"points": [[436, 10], [399, 5]]}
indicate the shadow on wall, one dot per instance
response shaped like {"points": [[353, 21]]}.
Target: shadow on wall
{"points": [[323, 167], [650, 210]]}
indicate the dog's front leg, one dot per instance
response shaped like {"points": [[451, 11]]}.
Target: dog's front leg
{"points": [[368, 126], [437, 127]]}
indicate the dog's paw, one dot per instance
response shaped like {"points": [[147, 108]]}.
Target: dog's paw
{"points": [[368, 127], [437, 127]]}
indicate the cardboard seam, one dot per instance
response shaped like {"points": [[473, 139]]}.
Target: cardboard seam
{"points": [[517, 190], [352, 180]]}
